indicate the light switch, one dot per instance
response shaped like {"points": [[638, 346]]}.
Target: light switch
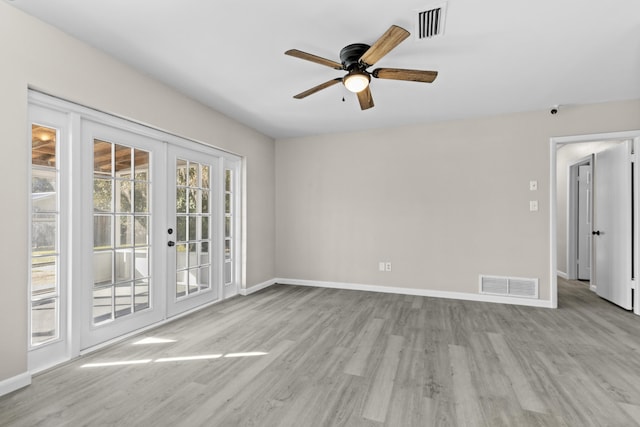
{"points": [[533, 185], [533, 205]]}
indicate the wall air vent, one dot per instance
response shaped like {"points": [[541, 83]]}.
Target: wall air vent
{"points": [[509, 286], [430, 22]]}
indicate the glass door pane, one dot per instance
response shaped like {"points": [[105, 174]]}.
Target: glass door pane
{"points": [[45, 233], [231, 227], [193, 216], [121, 238], [228, 226]]}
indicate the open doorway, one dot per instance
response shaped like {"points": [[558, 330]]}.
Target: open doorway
{"points": [[579, 218], [572, 220]]}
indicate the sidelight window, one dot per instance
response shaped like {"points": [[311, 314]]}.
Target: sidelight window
{"points": [[45, 235]]}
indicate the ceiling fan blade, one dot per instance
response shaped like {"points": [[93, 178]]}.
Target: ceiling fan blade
{"points": [[385, 44], [317, 88], [314, 58], [400, 74], [365, 98]]}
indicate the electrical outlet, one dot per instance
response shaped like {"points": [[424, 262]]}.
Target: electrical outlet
{"points": [[533, 205], [387, 266], [533, 185]]}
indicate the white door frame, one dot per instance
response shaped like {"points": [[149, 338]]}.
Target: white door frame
{"points": [[554, 144], [77, 114], [572, 215]]}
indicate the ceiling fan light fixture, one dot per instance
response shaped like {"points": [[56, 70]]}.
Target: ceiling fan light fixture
{"points": [[356, 81]]}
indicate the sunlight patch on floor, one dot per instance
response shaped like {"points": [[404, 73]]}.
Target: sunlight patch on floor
{"points": [[117, 363], [175, 359], [250, 354], [187, 358], [153, 340]]}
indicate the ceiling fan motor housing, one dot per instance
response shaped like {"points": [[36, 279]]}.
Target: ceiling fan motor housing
{"points": [[350, 56]]}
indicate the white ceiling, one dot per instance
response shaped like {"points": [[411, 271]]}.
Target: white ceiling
{"points": [[496, 56]]}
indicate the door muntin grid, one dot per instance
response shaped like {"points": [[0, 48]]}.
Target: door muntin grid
{"points": [[121, 231], [194, 223]]}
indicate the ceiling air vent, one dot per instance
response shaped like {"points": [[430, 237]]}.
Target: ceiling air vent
{"points": [[430, 22], [509, 286]]}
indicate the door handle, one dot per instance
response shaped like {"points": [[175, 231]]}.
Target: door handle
{"points": [[171, 243], [596, 233]]}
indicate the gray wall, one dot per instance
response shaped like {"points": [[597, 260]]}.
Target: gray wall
{"points": [[443, 202], [39, 56]]}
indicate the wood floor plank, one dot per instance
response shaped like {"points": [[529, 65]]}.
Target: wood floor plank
{"points": [[358, 362], [379, 395], [467, 403], [632, 410], [520, 383], [226, 391]]}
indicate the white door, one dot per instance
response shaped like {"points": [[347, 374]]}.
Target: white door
{"points": [[193, 229], [612, 240], [584, 222], [123, 216]]}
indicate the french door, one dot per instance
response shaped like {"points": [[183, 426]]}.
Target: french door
{"points": [[129, 226], [191, 234], [123, 279]]}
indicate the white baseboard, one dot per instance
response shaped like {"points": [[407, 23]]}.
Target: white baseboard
{"points": [[562, 274], [419, 292], [14, 383], [259, 286]]}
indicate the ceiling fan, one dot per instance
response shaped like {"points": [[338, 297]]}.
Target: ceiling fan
{"points": [[356, 58]]}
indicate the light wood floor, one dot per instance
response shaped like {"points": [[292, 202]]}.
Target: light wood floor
{"points": [[348, 358]]}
